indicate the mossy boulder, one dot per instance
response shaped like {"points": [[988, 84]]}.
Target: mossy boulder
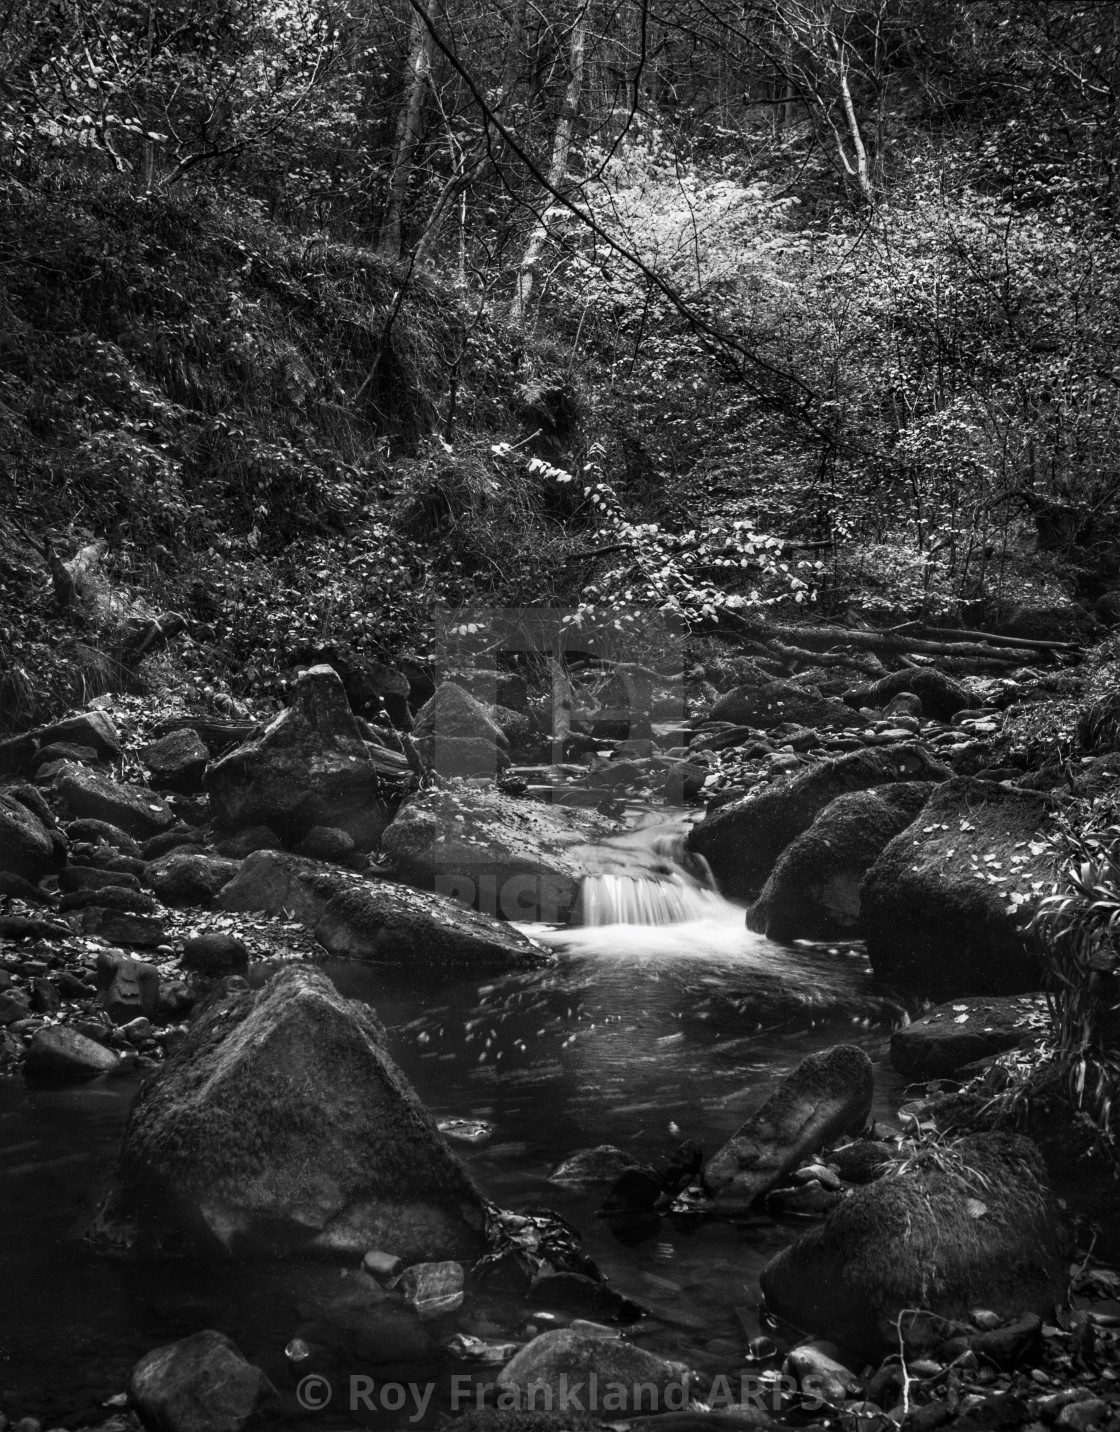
{"points": [[813, 891], [941, 697], [944, 907], [966, 1225], [282, 1127], [311, 767], [742, 840], [513, 858]]}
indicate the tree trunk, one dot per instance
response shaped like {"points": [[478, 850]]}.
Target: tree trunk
{"points": [[410, 128], [475, 164], [558, 165]]}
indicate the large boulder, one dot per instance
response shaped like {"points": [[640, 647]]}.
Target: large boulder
{"points": [[813, 891], [282, 1127], [825, 1096], [741, 841], [376, 919], [458, 736], [310, 767], [954, 1034], [513, 858], [777, 702], [940, 695], [965, 1226], [90, 795], [387, 922], [30, 846], [274, 881], [201, 1383], [944, 907]]}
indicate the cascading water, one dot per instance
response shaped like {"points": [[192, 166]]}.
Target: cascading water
{"points": [[648, 903], [666, 888]]}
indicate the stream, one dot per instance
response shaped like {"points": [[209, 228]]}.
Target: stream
{"points": [[640, 1035]]}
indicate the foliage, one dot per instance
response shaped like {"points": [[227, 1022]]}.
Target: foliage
{"points": [[691, 575], [1078, 931]]}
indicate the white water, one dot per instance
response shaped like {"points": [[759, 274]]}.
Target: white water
{"points": [[613, 899]]}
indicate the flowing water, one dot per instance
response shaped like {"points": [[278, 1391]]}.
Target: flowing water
{"points": [[638, 1034]]}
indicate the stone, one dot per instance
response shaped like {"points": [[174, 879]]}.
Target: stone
{"points": [[360, 1323], [382, 1266], [742, 839], [325, 842], [1007, 1346], [813, 892], [138, 1030], [309, 768], [945, 905], [176, 762], [905, 704], [136, 811], [384, 921], [776, 703], [433, 1289], [514, 858], [63, 751], [454, 712], [464, 756], [826, 1095], [88, 728], [92, 877], [95, 831], [627, 1378], [60, 1055], [819, 1373], [282, 1127], [372, 686], [110, 897], [956, 1033], [122, 927], [190, 877], [257, 837], [14, 1005], [1084, 1415], [973, 1225], [940, 696], [215, 954], [588, 1166], [179, 837], [46, 997], [274, 882], [129, 988], [201, 1383], [28, 845]]}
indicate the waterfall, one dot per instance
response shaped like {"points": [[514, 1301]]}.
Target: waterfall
{"points": [[613, 899], [648, 879]]}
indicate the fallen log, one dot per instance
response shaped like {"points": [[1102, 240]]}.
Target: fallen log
{"points": [[757, 629], [996, 639]]}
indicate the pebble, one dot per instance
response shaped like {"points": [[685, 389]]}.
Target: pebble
{"points": [[1080, 1416], [383, 1266]]}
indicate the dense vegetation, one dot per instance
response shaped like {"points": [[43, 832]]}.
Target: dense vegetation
{"points": [[312, 310]]}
